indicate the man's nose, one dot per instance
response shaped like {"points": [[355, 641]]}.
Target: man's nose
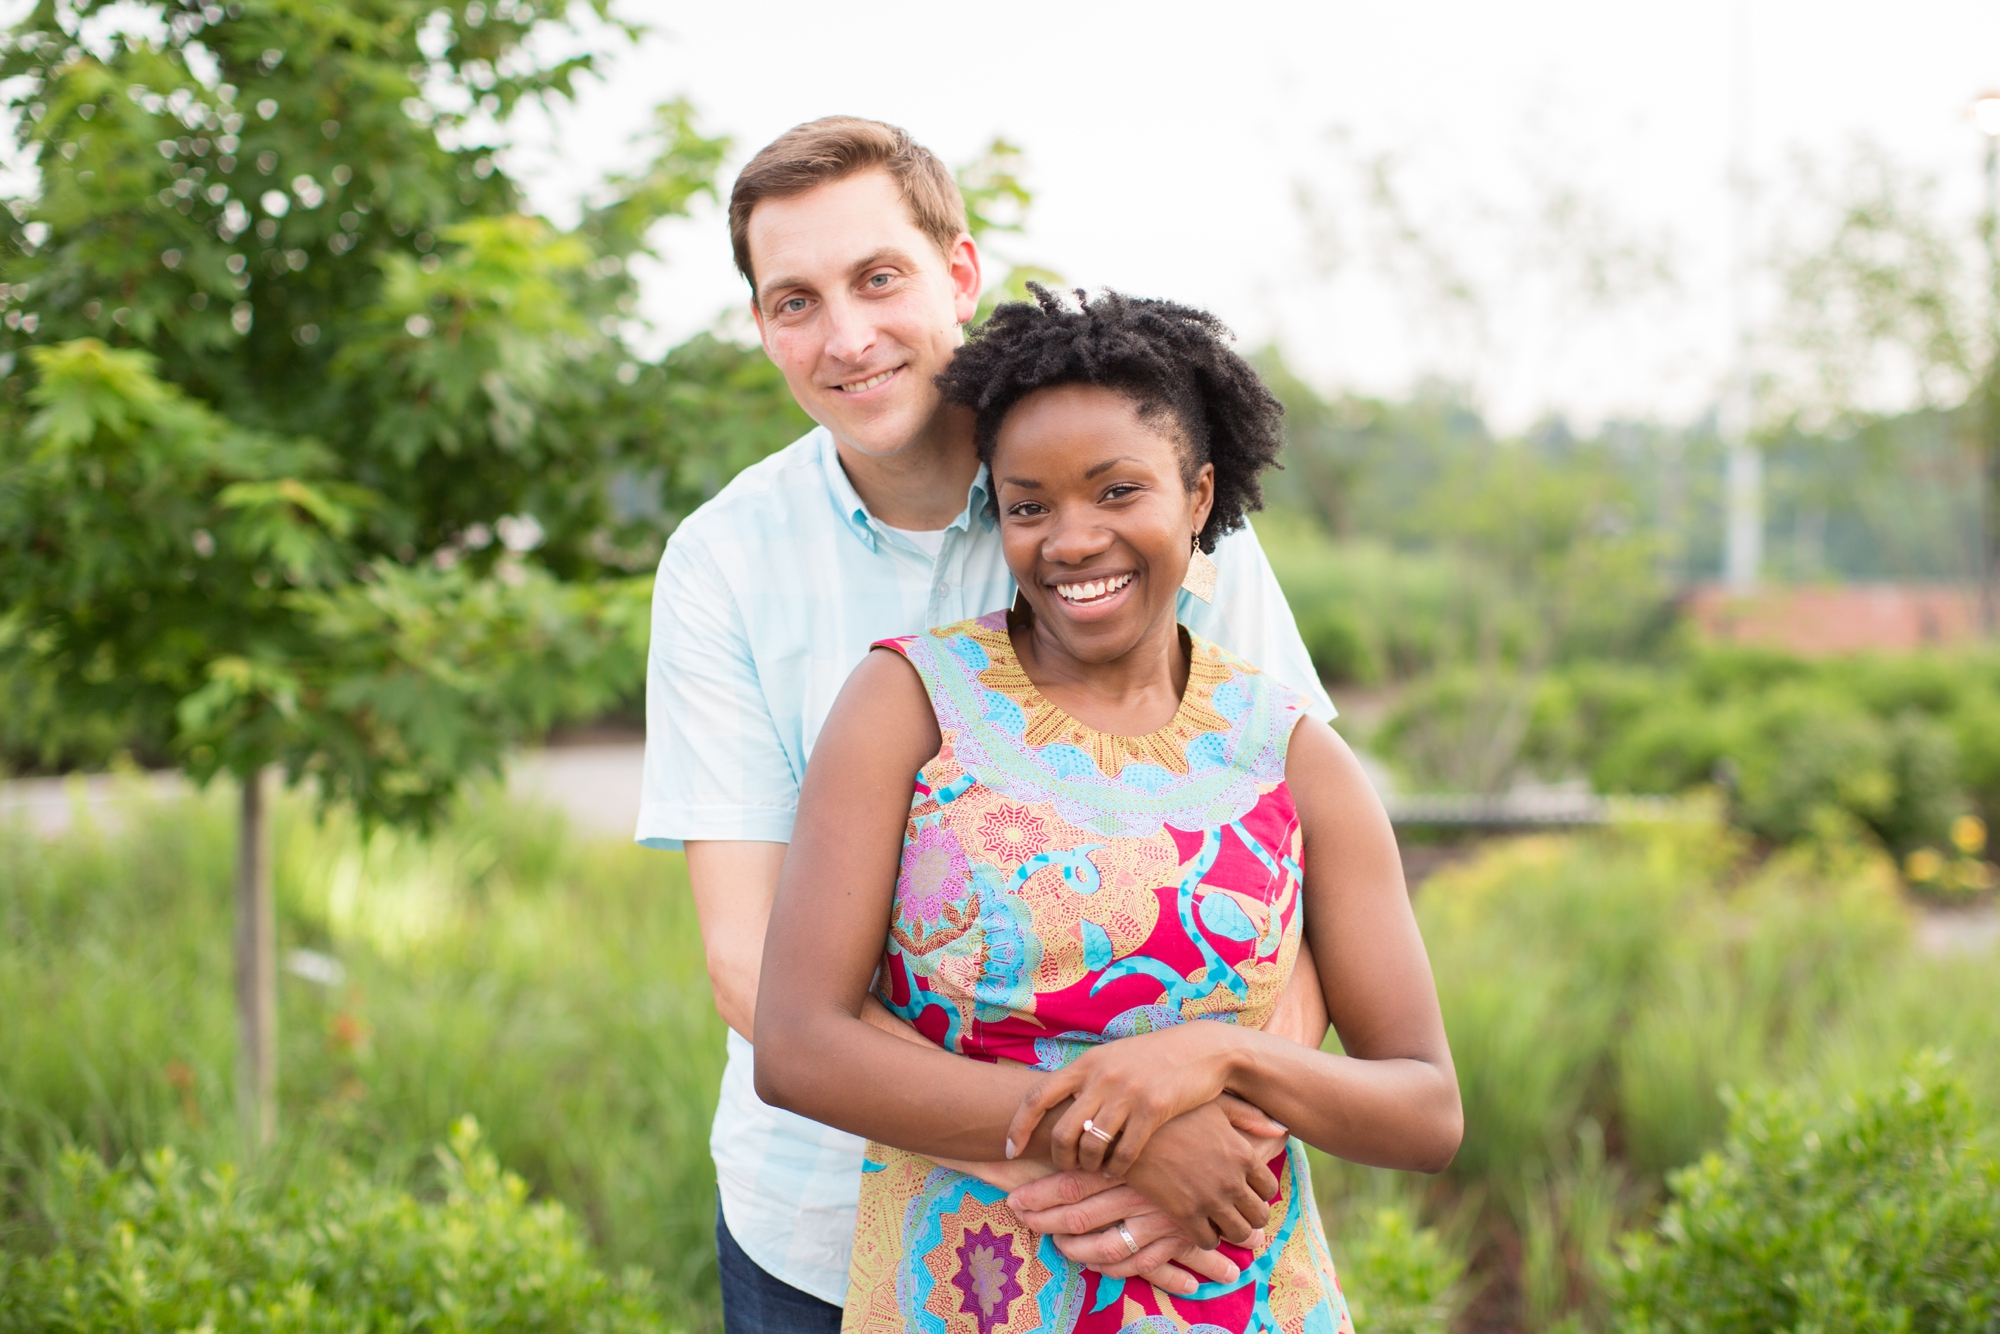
{"points": [[850, 332]]}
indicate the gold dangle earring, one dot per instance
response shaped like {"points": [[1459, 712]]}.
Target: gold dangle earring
{"points": [[1201, 573]]}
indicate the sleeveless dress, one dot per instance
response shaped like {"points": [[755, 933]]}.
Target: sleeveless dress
{"points": [[1062, 887]]}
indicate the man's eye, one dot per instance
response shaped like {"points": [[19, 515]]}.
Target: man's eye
{"points": [[878, 280], [793, 305]]}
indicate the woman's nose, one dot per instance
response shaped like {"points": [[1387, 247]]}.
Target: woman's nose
{"points": [[1074, 543]]}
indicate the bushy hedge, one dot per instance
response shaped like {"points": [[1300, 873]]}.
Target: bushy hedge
{"points": [[1900, 745], [165, 1247], [1881, 1212]]}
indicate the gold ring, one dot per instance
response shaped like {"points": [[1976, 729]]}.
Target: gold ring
{"points": [[1090, 1127]]}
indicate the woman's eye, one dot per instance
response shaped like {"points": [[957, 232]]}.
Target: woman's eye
{"points": [[1120, 491], [1027, 509]]}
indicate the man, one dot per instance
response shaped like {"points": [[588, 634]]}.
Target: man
{"points": [[877, 523]]}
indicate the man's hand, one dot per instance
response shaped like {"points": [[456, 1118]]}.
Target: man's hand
{"points": [[1082, 1211]]}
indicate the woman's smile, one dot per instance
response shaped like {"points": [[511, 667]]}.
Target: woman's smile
{"points": [[1097, 592]]}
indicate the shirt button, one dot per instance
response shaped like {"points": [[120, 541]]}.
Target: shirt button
{"points": [[941, 589]]}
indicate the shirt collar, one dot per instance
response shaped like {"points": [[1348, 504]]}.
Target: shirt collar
{"points": [[978, 497]]}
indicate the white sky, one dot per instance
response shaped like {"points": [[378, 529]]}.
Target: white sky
{"points": [[1168, 143]]}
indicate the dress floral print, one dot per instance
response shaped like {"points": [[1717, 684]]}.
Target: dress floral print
{"points": [[1062, 887]]}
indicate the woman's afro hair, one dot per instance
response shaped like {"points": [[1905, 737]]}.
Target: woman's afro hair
{"points": [[1166, 358]]}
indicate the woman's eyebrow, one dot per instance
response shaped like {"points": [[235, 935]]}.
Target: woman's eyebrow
{"points": [[1110, 463], [1027, 482]]}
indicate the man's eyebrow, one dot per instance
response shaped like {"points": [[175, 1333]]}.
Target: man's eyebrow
{"points": [[1108, 464], [775, 285]]}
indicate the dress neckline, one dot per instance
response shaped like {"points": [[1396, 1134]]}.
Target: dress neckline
{"points": [[1049, 724]]}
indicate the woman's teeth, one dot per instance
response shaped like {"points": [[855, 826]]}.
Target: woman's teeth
{"points": [[1091, 592], [860, 385]]}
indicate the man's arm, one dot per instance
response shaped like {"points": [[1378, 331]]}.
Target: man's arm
{"points": [[734, 884]]}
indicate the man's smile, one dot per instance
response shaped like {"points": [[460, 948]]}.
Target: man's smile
{"points": [[863, 386]]}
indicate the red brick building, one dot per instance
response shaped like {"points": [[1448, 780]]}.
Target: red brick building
{"points": [[1839, 618]]}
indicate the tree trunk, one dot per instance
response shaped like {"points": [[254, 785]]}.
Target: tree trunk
{"points": [[256, 973]]}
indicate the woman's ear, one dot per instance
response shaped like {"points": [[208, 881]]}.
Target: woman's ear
{"points": [[1201, 497]]}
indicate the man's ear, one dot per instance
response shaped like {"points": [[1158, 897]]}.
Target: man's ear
{"points": [[963, 262]]}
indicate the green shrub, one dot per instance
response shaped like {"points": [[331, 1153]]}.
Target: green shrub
{"points": [[167, 1248], [1880, 1212], [1399, 1278]]}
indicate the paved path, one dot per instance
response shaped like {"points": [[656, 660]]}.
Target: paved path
{"points": [[596, 785]]}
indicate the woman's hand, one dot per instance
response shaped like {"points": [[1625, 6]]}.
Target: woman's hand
{"points": [[1207, 1176], [1082, 1211], [1124, 1091]]}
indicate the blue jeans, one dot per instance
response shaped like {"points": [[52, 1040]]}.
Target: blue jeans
{"points": [[755, 1302]]}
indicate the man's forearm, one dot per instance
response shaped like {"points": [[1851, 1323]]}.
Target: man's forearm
{"points": [[734, 883]]}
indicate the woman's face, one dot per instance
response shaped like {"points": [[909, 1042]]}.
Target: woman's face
{"points": [[1094, 518]]}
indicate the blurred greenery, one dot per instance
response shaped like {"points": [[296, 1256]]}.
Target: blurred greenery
{"points": [[1603, 994], [553, 989], [1880, 1211], [157, 1248], [1601, 991]]}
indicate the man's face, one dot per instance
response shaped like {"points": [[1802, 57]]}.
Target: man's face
{"points": [[858, 308]]}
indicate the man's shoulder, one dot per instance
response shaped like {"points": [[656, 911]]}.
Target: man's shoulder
{"points": [[763, 501]]}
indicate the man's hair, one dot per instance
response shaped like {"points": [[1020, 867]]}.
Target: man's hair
{"points": [[832, 149], [1171, 360]]}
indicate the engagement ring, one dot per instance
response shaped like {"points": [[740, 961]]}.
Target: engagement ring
{"points": [[1092, 1128]]}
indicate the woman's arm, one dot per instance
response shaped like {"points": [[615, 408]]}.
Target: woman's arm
{"points": [[815, 1054], [1390, 1101]]}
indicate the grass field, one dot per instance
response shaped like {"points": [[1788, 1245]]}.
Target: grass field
{"points": [[1600, 992]]}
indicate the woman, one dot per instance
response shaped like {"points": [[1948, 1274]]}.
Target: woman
{"points": [[1115, 829]]}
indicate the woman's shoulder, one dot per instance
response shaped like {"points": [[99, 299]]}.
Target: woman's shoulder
{"points": [[976, 630]]}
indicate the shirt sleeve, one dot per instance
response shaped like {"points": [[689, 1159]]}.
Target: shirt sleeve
{"points": [[716, 766], [1251, 619]]}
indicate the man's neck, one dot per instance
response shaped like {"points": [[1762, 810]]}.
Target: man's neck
{"points": [[921, 488]]}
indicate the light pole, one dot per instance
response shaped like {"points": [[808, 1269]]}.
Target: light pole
{"points": [[1743, 533], [1986, 115]]}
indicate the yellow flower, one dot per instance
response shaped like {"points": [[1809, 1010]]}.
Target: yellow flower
{"points": [[1922, 866]]}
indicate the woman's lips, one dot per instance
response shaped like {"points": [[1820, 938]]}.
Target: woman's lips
{"points": [[1089, 592]]}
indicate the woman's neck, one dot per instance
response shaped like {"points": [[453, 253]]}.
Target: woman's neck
{"points": [[1136, 693]]}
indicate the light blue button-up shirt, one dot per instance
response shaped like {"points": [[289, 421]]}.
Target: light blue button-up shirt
{"points": [[767, 598]]}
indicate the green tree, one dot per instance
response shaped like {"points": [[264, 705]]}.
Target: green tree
{"points": [[316, 449], [1891, 314]]}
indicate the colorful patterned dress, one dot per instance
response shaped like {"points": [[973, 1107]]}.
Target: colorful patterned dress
{"points": [[1062, 887]]}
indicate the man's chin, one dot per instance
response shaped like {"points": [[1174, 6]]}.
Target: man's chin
{"points": [[881, 434]]}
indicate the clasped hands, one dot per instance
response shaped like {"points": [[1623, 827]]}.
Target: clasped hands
{"points": [[1168, 1154]]}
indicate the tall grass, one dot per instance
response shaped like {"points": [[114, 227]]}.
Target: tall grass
{"points": [[550, 987]]}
